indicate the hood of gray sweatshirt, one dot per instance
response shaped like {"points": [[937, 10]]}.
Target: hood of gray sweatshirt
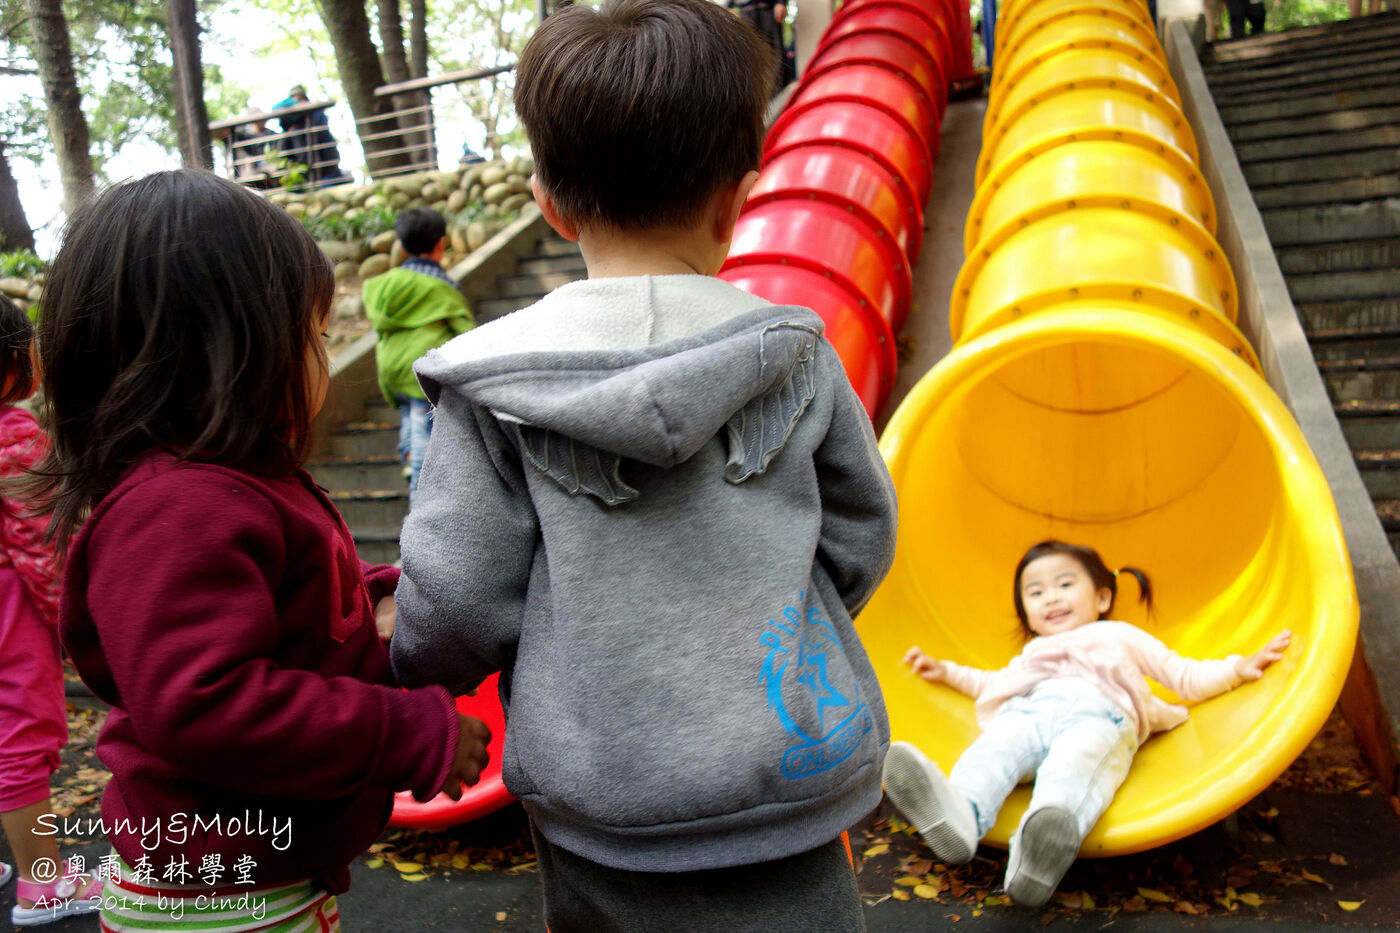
{"points": [[661, 547]]}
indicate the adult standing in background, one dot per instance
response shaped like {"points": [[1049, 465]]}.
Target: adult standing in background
{"points": [[308, 140], [767, 17]]}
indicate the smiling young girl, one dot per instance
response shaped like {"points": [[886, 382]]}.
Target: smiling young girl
{"points": [[1068, 712], [212, 594]]}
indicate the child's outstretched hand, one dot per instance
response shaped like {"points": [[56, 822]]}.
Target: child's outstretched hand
{"points": [[930, 669], [471, 757], [1251, 667]]}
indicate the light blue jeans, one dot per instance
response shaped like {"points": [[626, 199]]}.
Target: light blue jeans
{"points": [[1075, 743], [415, 425]]}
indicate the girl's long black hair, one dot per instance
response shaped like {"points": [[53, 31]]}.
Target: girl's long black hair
{"points": [[177, 316], [1089, 559]]}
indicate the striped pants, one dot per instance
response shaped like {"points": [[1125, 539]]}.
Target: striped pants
{"points": [[129, 906]]}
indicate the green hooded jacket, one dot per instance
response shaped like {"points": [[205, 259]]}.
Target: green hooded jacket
{"points": [[412, 313]]}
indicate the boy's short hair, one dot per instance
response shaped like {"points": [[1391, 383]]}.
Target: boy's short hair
{"points": [[420, 230], [639, 111]]}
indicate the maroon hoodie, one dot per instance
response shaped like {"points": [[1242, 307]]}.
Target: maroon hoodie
{"points": [[228, 621]]}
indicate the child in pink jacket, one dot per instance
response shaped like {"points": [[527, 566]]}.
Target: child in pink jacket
{"points": [[33, 723]]}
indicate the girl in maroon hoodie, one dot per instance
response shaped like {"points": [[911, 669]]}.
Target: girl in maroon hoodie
{"points": [[33, 727], [212, 594]]}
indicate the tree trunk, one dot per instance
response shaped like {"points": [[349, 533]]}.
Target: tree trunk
{"points": [[191, 119], [418, 64], [391, 42], [15, 232], [360, 74], [68, 129]]}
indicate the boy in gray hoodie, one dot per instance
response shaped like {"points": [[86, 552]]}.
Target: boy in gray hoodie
{"points": [[654, 503]]}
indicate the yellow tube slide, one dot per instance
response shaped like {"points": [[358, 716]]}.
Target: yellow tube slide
{"points": [[1100, 393]]}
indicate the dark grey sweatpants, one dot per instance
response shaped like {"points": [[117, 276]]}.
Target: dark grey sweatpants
{"points": [[814, 892]]}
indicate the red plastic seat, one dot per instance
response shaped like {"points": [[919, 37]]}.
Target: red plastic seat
{"points": [[849, 179], [884, 50], [862, 339], [862, 128], [485, 796], [829, 240], [878, 87]]}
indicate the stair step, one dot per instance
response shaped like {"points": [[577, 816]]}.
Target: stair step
{"points": [[358, 473], [1341, 286], [488, 309], [1337, 121], [1283, 81], [1381, 312], [377, 545], [557, 246], [376, 508], [1362, 379], [1323, 193], [1321, 144], [1370, 425], [1307, 105], [1302, 169], [1288, 41], [1380, 472], [364, 439], [1342, 256], [512, 286], [541, 265], [1351, 343], [1333, 56], [1388, 510], [1336, 82]]}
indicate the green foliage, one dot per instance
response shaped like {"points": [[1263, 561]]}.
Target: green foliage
{"points": [[21, 263], [1286, 14]]}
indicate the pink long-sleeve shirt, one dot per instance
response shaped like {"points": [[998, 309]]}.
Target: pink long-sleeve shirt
{"points": [[22, 544], [1116, 658]]}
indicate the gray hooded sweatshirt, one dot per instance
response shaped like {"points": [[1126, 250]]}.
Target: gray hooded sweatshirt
{"points": [[660, 545]]}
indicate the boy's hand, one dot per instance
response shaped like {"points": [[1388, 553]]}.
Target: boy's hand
{"points": [[1252, 667], [928, 668], [470, 759], [385, 612]]}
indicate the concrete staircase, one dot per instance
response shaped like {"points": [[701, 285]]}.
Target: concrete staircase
{"points": [[358, 463], [1314, 115]]}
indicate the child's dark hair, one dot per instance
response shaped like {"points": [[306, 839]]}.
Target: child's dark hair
{"points": [[1089, 559], [420, 230], [16, 342], [640, 111], [178, 315]]}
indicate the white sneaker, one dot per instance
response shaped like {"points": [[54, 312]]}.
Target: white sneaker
{"points": [[937, 809], [1042, 851]]}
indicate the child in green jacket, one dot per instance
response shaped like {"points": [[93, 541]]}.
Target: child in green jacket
{"points": [[414, 308]]}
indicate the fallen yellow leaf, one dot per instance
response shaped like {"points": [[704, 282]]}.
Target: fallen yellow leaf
{"points": [[414, 877], [908, 881], [408, 868], [992, 901], [899, 894], [1250, 898], [1349, 905], [875, 850], [1336, 859], [927, 891], [374, 863], [501, 915], [1309, 876], [1085, 901], [1154, 895], [460, 861]]}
